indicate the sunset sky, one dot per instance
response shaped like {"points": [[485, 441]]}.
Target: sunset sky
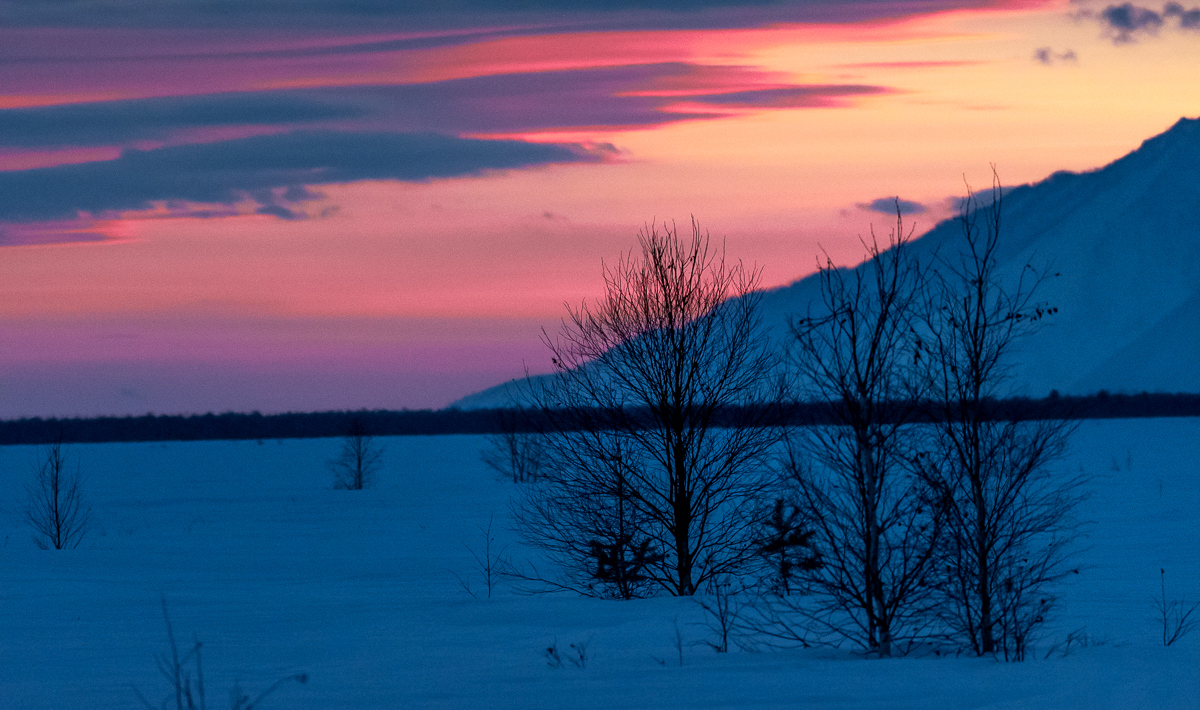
{"points": [[337, 205]]}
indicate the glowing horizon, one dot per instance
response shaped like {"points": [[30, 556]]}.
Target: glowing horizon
{"points": [[420, 195]]}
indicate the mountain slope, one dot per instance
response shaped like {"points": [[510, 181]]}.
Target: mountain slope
{"points": [[1125, 242]]}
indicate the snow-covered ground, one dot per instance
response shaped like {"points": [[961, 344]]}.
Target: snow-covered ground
{"points": [[276, 573]]}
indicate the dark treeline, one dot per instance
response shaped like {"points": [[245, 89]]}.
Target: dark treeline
{"points": [[1098, 406], [230, 425], [314, 425]]}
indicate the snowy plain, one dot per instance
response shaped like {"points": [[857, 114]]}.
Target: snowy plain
{"points": [[277, 573]]}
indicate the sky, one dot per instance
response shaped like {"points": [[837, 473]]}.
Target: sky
{"points": [[310, 205]]}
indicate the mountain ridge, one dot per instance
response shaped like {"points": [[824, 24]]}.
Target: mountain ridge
{"points": [[1123, 239]]}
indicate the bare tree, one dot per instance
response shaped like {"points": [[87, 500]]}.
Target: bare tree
{"points": [[490, 563], [55, 509], [656, 453], [1175, 615], [874, 528], [1009, 527], [723, 607], [516, 451], [359, 461], [189, 692]]}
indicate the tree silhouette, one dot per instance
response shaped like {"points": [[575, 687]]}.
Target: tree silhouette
{"points": [[643, 438], [359, 461], [1009, 528]]}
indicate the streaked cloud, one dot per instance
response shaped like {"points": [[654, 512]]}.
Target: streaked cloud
{"points": [[271, 173], [231, 153], [507, 17], [625, 96], [819, 96], [913, 64], [40, 233], [109, 122]]}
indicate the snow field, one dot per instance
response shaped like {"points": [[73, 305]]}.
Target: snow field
{"points": [[276, 573]]}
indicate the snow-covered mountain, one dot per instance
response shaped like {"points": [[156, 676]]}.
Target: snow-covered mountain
{"points": [[1125, 241]]}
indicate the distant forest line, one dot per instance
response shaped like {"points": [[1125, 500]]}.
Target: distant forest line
{"points": [[315, 425]]}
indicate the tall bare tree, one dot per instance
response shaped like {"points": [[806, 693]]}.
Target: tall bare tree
{"points": [[874, 528], [55, 509], [655, 457], [515, 452], [359, 461], [1009, 526]]}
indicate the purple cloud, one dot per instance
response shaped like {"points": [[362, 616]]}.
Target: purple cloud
{"points": [[446, 22], [639, 95], [1124, 23], [890, 205], [1188, 19], [272, 172], [609, 96], [343, 134], [1047, 56]]}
